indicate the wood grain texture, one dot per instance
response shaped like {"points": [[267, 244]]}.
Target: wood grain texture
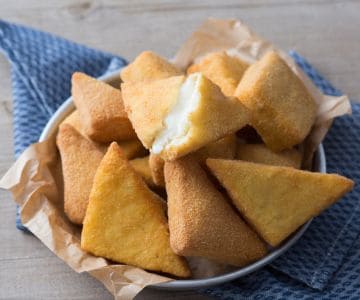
{"points": [[325, 32]]}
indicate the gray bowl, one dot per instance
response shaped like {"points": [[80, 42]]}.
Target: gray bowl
{"points": [[319, 165]]}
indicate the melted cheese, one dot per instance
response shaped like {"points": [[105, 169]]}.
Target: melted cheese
{"points": [[177, 123]]}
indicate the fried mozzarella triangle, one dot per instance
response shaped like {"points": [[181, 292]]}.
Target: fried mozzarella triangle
{"points": [[80, 158], [126, 222], [259, 153], [101, 109], [202, 223], [282, 110], [178, 115], [148, 66], [277, 200], [223, 70]]}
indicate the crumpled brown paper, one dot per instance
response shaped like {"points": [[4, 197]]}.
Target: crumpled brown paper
{"points": [[35, 179]]}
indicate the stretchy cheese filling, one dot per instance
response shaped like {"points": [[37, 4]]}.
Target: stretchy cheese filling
{"points": [[177, 123]]}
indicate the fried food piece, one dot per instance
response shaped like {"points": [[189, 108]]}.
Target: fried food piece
{"points": [[148, 103], [277, 200], [101, 109], [201, 115], [176, 116], [148, 66], [74, 120], [132, 148], [223, 148], [259, 153], [79, 159], [282, 110], [126, 222], [202, 222], [223, 70], [157, 169], [142, 167]]}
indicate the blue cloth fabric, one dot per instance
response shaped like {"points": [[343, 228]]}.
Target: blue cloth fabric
{"points": [[325, 263], [41, 68]]}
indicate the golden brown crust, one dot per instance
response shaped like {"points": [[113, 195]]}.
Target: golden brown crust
{"points": [[222, 148], [157, 169], [79, 159], [132, 148], [148, 103], [223, 70], [282, 110], [201, 221], [277, 200], [126, 222], [216, 116], [101, 109], [142, 167], [148, 66], [74, 120], [259, 153]]}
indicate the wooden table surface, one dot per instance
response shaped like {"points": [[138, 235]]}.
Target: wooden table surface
{"points": [[325, 32]]}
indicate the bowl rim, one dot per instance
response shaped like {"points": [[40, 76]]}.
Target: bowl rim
{"points": [[182, 284]]}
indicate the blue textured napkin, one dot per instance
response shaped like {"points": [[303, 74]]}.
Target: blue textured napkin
{"points": [[324, 263]]}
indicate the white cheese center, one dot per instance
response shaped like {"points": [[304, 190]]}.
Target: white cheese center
{"points": [[177, 123]]}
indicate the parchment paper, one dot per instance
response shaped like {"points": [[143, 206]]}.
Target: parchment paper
{"points": [[35, 179]]}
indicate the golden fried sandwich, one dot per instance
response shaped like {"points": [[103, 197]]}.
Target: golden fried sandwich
{"points": [[282, 110], [177, 115], [142, 167], [202, 222], [277, 200], [79, 159], [148, 103], [101, 109], [259, 153], [223, 70], [148, 66], [126, 222]]}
